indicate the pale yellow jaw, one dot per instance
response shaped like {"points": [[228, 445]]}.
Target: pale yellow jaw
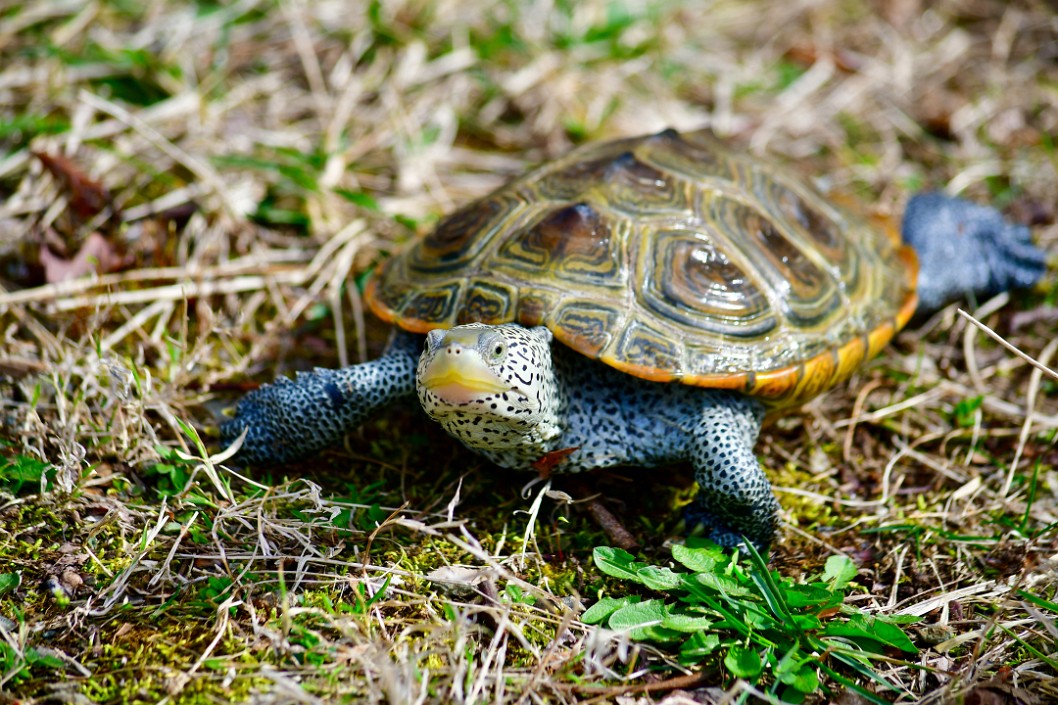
{"points": [[459, 377]]}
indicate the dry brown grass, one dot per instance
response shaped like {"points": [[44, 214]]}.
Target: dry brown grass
{"points": [[311, 140]]}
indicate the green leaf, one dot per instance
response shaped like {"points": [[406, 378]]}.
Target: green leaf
{"points": [[380, 594], [1038, 601], [661, 579], [892, 635], [21, 128], [358, 198], [864, 627], [807, 622], [724, 584], [38, 658], [604, 608], [797, 672], [744, 662], [700, 645], [700, 560], [23, 470], [771, 587], [638, 614], [966, 411], [811, 596], [14, 667], [8, 582], [750, 615], [773, 597], [642, 621], [166, 452], [683, 621], [848, 630], [617, 563], [760, 621], [1030, 648], [839, 572], [513, 592]]}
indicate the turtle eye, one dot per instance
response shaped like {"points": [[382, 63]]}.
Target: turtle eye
{"points": [[498, 350]]}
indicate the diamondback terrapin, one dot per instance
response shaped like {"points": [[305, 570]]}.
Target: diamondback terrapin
{"points": [[690, 289]]}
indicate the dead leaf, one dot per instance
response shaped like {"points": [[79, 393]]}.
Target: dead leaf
{"points": [[87, 197], [72, 581], [462, 582], [808, 54], [998, 693], [18, 367], [97, 255], [934, 109]]}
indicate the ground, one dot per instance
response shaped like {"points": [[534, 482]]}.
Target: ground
{"points": [[193, 194]]}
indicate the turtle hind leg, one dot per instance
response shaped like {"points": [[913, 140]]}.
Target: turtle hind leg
{"points": [[965, 248], [734, 496], [292, 419]]}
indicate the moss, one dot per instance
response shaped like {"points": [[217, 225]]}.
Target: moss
{"points": [[809, 512]]}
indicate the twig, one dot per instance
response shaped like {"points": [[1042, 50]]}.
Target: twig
{"points": [[1002, 341]]}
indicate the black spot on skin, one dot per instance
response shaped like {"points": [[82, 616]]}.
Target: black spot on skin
{"points": [[334, 395]]}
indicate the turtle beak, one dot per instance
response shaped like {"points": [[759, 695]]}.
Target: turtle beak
{"points": [[456, 372]]}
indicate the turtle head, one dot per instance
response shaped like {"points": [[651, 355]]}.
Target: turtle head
{"points": [[492, 387]]}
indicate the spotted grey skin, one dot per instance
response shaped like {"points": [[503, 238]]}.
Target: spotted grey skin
{"points": [[553, 401], [292, 419], [524, 417]]}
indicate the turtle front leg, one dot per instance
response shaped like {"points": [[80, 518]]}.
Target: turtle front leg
{"points": [[292, 419], [734, 496]]}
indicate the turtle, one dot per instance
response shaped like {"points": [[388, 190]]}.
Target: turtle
{"points": [[638, 302]]}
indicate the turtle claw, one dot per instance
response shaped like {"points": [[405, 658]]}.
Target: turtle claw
{"points": [[1017, 263], [694, 516]]}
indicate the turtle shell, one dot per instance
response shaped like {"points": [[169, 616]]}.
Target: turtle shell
{"points": [[671, 257]]}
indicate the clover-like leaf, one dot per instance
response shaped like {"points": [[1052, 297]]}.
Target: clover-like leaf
{"points": [[617, 563], [839, 572], [643, 620], [660, 579], [698, 646], [704, 559], [605, 607], [744, 662]]}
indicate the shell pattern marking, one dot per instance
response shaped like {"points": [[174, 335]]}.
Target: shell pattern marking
{"points": [[670, 257]]}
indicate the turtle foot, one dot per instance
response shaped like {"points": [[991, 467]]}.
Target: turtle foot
{"points": [[967, 249], [287, 420], [292, 419], [758, 529]]}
